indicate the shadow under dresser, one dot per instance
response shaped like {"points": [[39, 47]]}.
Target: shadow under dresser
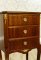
{"points": [[21, 32]]}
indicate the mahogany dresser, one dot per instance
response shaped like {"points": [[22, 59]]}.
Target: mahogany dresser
{"points": [[21, 32]]}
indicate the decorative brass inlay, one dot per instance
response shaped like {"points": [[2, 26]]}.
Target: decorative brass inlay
{"points": [[5, 21], [5, 17]]}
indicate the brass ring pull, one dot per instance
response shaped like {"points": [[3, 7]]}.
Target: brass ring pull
{"points": [[25, 19], [25, 31], [25, 42]]}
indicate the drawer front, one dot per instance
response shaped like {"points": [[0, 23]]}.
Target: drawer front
{"points": [[26, 31], [15, 45], [30, 43], [23, 19], [22, 44]]}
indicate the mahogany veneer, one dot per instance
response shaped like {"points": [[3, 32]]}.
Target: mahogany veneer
{"points": [[21, 32]]}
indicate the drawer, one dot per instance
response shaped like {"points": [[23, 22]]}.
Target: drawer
{"points": [[23, 19], [22, 44], [15, 45], [24, 31], [30, 43]]}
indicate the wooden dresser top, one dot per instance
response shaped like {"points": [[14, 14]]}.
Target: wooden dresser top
{"points": [[3, 12]]}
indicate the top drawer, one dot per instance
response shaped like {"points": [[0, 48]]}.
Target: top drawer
{"points": [[23, 19]]}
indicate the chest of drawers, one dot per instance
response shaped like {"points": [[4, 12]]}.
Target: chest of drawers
{"points": [[21, 31]]}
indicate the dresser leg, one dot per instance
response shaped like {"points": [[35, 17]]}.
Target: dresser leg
{"points": [[27, 56], [6, 56], [0, 55], [38, 55]]}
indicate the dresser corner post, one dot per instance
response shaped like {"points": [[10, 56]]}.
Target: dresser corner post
{"points": [[27, 56], [6, 56], [38, 54], [0, 55]]}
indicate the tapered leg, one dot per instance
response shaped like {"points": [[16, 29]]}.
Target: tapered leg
{"points": [[38, 55], [6, 56], [27, 56], [0, 55]]}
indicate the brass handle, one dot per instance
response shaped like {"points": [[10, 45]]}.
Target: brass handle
{"points": [[25, 42], [25, 31], [25, 19]]}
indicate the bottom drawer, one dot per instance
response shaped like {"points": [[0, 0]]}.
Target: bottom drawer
{"points": [[21, 44]]}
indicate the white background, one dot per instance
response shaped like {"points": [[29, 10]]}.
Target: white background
{"points": [[20, 5]]}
